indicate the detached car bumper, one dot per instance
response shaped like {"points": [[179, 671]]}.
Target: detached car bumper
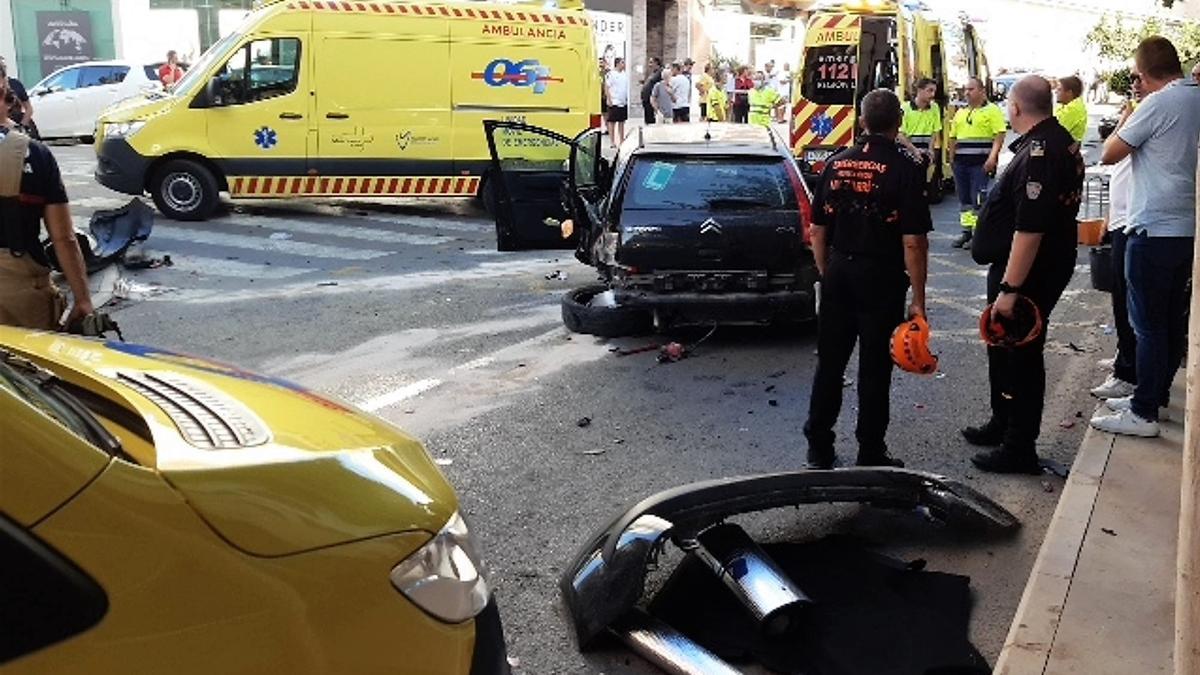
{"points": [[607, 577], [121, 168]]}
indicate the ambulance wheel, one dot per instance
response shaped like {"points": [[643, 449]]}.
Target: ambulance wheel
{"points": [[184, 190]]}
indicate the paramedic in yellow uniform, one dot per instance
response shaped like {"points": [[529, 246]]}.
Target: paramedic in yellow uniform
{"points": [[717, 100], [922, 123], [976, 136], [1072, 112], [764, 99]]}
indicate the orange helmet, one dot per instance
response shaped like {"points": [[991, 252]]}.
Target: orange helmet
{"points": [[1024, 326], [910, 347]]}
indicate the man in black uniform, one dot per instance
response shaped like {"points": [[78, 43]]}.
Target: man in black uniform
{"points": [[654, 74], [870, 219], [1027, 233], [31, 190]]}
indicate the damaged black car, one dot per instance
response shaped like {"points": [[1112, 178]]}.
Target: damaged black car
{"points": [[688, 223]]}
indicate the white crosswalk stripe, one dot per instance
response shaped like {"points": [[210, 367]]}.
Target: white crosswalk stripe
{"points": [[339, 229], [217, 267], [285, 246]]}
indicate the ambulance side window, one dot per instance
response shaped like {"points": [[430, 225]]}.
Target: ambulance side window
{"points": [[260, 70]]}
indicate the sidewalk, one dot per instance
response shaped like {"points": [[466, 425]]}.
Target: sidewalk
{"points": [[1100, 598]]}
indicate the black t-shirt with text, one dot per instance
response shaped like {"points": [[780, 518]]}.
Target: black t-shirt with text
{"points": [[869, 197], [41, 186]]}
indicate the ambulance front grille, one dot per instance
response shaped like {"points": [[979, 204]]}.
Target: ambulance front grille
{"points": [[205, 417]]}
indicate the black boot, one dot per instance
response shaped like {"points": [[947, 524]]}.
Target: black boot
{"points": [[1004, 460], [990, 433], [880, 460], [964, 239], [821, 458]]}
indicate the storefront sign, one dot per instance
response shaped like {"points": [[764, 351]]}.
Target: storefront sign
{"points": [[612, 35], [64, 38]]}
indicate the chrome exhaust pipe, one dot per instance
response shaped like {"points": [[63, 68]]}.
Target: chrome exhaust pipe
{"points": [[771, 597], [667, 648]]}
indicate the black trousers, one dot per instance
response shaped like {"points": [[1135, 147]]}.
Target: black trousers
{"points": [[1017, 377], [741, 113], [647, 111], [861, 301], [1125, 367]]}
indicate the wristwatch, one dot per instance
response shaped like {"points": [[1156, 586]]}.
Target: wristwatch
{"points": [[1006, 287]]}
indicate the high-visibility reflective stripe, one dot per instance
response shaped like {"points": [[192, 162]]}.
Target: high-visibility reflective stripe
{"points": [[433, 10], [973, 148], [333, 186]]}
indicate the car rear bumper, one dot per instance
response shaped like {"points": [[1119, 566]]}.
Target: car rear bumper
{"points": [[119, 167], [743, 292]]}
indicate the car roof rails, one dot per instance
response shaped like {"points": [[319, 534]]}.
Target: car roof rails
{"points": [[641, 138]]}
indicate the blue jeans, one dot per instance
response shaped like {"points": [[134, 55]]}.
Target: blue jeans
{"points": [[1157, 270], [971, 184]]}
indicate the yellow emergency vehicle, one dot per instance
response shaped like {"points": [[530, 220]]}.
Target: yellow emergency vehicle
{"points": [[854, 46], [374, 98]]}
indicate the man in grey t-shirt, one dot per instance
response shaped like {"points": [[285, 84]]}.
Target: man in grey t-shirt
{"points": [[1161, 136]]}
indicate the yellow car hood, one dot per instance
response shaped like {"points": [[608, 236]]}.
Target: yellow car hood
{"points": [[293, 471], [140, 107]]}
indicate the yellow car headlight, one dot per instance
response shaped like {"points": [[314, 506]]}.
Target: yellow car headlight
{"points": [[445, 577], [122, 129]]}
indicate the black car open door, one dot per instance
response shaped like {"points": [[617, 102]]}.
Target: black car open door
{"points": [[587, 189], [526, 186]]}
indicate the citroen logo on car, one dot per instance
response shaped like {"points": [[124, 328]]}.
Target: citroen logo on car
{"points": [[710, 225]]}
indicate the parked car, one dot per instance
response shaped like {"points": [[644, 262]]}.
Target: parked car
{"points": [[162, 513], [689, 222], [67, 103]]}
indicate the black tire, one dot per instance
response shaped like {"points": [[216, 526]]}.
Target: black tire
{"points": [[185, 190], [580, 317]]}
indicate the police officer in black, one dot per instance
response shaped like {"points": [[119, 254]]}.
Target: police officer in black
{"points": [[1027, 234], [870, 220], [31, 190]]}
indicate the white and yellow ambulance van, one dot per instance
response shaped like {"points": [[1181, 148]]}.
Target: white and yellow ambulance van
{"points": [[364, 99]]}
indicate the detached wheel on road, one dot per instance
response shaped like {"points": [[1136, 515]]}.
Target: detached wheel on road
{"points": [[581, 316], [184, 190]]}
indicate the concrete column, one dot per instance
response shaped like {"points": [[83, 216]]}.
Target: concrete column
{"points": [[639, 58], [670, 31], [683, 30], [8, 39]]}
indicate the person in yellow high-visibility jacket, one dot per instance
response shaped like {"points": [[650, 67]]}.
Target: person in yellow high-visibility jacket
{"points": [[1072, 112], [976, 137], [717, 100], [922, 127], [764, 100]]}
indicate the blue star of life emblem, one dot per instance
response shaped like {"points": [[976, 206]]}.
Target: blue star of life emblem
{"points": [[822, 125], [265, 138]]}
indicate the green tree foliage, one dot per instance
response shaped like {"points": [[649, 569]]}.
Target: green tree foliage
{"points": [[1116, 39]]}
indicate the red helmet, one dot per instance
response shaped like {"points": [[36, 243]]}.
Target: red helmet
{"points": [[1024, 326], [910, 347]]}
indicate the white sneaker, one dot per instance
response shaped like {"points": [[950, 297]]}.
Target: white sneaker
{"points": [[1106, 364], [1114, 387], [1119, 403], [1126, 423]]}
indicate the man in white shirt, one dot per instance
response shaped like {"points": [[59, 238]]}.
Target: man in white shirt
{"points": [[616, 83], [1124, 368], [681, 94]]}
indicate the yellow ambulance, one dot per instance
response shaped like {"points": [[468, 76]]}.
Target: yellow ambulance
{"points": [[854, 46], [368, 98]]}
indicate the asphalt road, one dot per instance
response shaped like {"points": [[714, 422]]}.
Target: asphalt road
{"points": [[405, 308]]}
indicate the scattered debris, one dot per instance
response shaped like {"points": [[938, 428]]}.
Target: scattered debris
{"points": [[1047, 486], [1108, 330], [1076, 348], [584, 422], [1111, 533], [1056, 468], [773, 403], [918, 406], [1079, 414], [595, 451], [770, 389], [635, 350], [280, 236], [514, 662], [443, 461], [847, 382], [618, 441], [939, 376], [672, 352], [606, 299], [777, 374], [328, 283], [110, 234], [1067, 424], [557, 275]]}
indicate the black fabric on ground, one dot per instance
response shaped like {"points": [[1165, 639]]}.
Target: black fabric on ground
{"points": [[871, 615]]}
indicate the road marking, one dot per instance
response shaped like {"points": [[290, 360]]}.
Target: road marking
{"points": [[397, 395], [286, 246], [335, 230], [98, 203], [218, 267]]}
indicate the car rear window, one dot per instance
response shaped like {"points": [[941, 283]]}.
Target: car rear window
{"points": [[707, 183]]}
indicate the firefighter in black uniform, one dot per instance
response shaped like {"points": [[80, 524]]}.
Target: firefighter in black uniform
{"points": [[1027, 234], [870, 220], [31, 189]]}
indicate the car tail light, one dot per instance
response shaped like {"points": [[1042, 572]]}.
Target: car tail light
{"points": [[802, 199], [595, 122]]}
